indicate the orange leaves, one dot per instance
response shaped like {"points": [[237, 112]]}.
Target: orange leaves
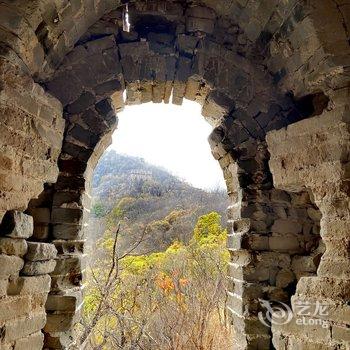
{"points": [[173, 286], [165, 283], [183, 282]]}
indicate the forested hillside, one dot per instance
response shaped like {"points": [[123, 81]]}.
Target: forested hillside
{"points": [[148, 201], [157, 272]]}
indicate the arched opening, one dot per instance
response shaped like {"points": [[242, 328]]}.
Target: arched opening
{"points": [[165, 235], [242, 63]]}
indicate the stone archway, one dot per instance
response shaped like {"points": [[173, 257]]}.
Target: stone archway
{"points": [[247, 64], [160, 64]]}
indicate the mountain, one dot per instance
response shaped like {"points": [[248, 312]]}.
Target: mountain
{"points": [[148, 201]]}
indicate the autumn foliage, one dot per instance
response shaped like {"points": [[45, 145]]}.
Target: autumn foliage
{"points": [[169, 300]]}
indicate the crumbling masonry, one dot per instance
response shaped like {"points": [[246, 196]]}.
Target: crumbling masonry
{"points": [[273, 78]]}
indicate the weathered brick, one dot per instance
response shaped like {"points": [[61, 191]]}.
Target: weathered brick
{"points": [[324, 287], [14, 307], [35, 268], [67, 215], [24, 326], [10, 265], [284, 277], [3, 287], [29, 285], [194, 24], [286, 226], [59, 340], [69, 265], [61, 283], [41, 232], [187, 43], [33, 341], [304, 263], [16, 225], [286, 243], [341, 333], [40, 215], [68, 303], [60, 322], [72, 247], [308, 330], [66, 231], [135, 49], [13, 246], [250, 325], [40, 251], [201, 12]]}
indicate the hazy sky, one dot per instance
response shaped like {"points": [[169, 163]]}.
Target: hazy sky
{"points": [[174, 137]]}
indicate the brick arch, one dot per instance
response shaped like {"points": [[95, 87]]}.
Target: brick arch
{"points": [[36, 36], [42, 32], [238, 62], [238, 98]]}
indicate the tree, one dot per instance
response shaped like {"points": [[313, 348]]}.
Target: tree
{"points": [[208, 229], [169, 300]]}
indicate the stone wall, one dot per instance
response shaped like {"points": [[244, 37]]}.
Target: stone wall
{"points": [[24, 283], [314, 154], [273, 239], [31, 134], [254, 66]]}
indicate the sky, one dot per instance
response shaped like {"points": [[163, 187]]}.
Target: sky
{"points": [[173, 137]]}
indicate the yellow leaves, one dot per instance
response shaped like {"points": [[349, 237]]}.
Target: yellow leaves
{"points": [[91, 301], [107, 244], [140, 263], [175, 247], [208, 230], [162, 284]]}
